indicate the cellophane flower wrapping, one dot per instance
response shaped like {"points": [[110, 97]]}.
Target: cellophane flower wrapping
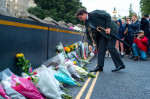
{"points": [[25, 87], [72, 56], [1, 97], [48, 84], [53, 61], [61, 77], [60, 47], [2, 93], [5, 76], [71, 69], [56, 60], [80, 50], [80, 70], [64, 70], [86, 49], [83, 54]]}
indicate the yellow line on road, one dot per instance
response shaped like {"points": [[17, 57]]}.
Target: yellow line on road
{"points": [[83, 88], [88, 95]]}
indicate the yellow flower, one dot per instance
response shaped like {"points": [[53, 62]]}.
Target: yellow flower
{"points": [[20, 55], [67, 49], [84, 58], [71, 47], [74, 62], [76, 46], [85, 43]]}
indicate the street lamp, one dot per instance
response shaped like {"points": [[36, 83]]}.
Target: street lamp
{"points": [[114, 13]]}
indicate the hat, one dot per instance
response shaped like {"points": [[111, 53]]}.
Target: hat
{"points": [[141, 31]]}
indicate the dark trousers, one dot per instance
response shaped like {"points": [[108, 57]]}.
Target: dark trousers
{"points": [[148, 47], [103, 44]]}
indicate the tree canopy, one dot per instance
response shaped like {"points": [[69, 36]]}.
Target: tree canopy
{"points": [[131, 12], [145, 6], [57, 9]]}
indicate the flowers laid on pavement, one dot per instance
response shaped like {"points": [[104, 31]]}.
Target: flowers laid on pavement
{"points": [[48, 81], [24, 63]]}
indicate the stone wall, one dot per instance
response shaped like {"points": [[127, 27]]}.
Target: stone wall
{"points": [[3, 9], [31, 3], [17, 7]]}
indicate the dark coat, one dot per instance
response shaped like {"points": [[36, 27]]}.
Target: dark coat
{"points": [[133, 28], [103, 19], [121, 30], [145, 26]]}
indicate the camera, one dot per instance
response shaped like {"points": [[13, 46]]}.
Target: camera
{"points": [[136, 34]]}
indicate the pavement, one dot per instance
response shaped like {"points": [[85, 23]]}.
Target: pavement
{"points": [[131, 83]]}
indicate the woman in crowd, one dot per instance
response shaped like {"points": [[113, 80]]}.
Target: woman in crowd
{"points": [[121, 36], [133, 29]]}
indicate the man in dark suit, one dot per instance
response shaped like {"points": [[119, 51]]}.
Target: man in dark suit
{"points": [[101, 39]]}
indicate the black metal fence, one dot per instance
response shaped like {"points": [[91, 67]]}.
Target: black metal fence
{"points": [[36, 40]]}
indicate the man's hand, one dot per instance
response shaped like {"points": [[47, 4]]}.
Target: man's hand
{"points": [[129, 22], [108, 31], [90, 48], [138, 37]]}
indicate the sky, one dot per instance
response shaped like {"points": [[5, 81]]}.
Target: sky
{"points": [[122, 6]]}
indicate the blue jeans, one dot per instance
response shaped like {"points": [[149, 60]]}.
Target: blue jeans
{"points": [[138, 52]]}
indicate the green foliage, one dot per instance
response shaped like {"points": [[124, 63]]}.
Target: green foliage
{"points": [[124, 17], [145, 6], [58, 10], [25, 65], [131, 11]]}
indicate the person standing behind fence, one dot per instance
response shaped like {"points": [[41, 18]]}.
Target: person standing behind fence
{"points": [[134, 27], [121, 36]]}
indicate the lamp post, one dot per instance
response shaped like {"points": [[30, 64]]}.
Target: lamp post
{"points": [[114, 13]]}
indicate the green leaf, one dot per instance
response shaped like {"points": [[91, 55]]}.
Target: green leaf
{"points": [[58, 11], [23, 68]]}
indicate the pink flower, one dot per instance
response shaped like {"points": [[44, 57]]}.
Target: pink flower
{"points": [[34, 73], [29, 78], [72, 28]]}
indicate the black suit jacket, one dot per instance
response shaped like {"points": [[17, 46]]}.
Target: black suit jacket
{"points": [[101, 18]]}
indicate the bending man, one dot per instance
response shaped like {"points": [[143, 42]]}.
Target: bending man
{"points": [[102, 40]]}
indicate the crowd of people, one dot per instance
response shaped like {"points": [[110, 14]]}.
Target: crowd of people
{"points": [[137, 34]]}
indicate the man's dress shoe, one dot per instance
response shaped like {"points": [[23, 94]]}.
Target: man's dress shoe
{"points": [[118, 68], [98, 68]]}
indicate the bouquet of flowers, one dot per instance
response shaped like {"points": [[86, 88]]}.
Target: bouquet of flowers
{"points": [[80, 70], [25, 87], [64, 70], [3, 94], [24, 63], [72, 70], [67, 49], [60, 48], [47, 85], [61, 77], [5, 75]]}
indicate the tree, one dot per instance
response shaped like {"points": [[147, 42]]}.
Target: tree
{"points": [[145, 6], [131, 11], [61, 10]]}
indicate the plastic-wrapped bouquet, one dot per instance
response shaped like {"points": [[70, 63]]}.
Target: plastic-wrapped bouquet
{"points": [[80, 70], [72, 70]]}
